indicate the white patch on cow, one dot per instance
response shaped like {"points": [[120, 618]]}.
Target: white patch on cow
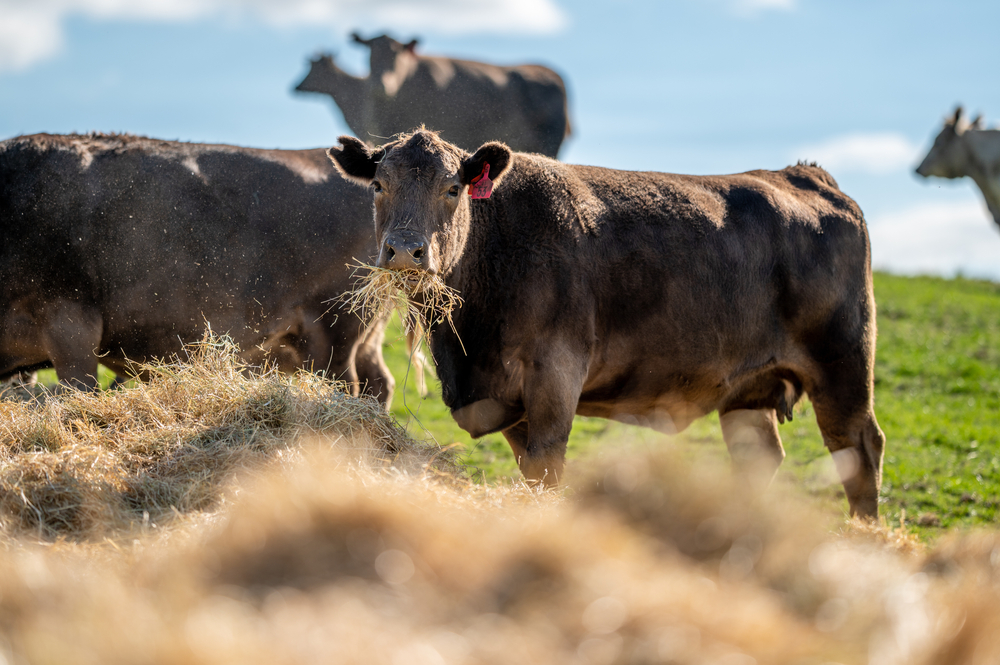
{"points": [[861, 152], [938, 239], [847, 462], [86, 158], [191, 164], [313, 176], [31, 32]]}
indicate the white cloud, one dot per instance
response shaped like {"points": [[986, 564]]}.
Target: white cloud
{"points": [[752, 7], [31, 31], [937, 238], [876, 153]]}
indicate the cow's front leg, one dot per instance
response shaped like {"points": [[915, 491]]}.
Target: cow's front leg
{"points": [[551, 391], [754, 444], [71, 337]]}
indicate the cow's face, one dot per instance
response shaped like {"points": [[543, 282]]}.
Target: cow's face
{"points": [[385, 52], [319, 73], [420, 186], [948, 157]]}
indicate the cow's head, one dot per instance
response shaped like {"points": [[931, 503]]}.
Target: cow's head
{"points": [[420, 184], [318, 77], [385, 52], [948, 157]]}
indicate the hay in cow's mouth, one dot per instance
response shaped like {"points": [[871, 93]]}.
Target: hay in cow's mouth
{"points": [[423, 299]]}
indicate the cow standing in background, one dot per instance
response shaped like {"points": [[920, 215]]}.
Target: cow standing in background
{"points": [[468, 102], [121, 248], [967, 149], [650, 298]]}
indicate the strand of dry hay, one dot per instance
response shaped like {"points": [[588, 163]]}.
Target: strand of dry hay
{"points": [[380, 291], [88, 464]]}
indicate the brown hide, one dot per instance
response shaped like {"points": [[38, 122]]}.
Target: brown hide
{"points": [[468, 102], [650, 298], [124, 247]]}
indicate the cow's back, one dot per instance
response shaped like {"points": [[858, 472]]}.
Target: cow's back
{"points": [[471, 103], [694, 278]]}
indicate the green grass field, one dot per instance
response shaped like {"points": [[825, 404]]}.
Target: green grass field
{"points": [[937, 398]]}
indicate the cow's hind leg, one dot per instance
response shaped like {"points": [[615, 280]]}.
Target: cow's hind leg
{"points": [[754, 445], [844, 411]]}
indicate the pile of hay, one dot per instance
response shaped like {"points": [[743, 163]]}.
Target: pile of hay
{"points": [[89, 465], [322, 562], [219, 516]]}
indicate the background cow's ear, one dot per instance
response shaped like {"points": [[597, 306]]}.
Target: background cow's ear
{"points": [[412, 46], [494, 153], [354, 160]]}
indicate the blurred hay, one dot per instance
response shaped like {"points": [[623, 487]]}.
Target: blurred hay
{"points": [[423, 299], [345, 542], [84, 465], [327, 559]]}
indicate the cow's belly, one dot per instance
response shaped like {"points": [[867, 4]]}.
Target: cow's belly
{"points": [[668, 412]]}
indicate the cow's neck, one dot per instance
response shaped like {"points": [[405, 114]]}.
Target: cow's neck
{"points": [[478, 323], [983, 150], [351, 94]]}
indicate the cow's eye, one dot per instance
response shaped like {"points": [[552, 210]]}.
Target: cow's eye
{"points": [[454, 191], [376, 186]]}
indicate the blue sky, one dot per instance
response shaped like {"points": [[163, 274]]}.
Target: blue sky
{"points": [[690, 86]]}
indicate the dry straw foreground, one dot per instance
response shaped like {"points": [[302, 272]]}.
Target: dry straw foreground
{"points": [[218, 516], [83, 465]]}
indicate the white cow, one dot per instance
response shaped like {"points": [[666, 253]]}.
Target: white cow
{"points": [[967, 149]]}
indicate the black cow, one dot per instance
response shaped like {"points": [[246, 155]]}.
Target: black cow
{"points": [[468, 102], [651, 298], [118, 248]]}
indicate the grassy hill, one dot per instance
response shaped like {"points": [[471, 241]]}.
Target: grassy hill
{"points": [[937, 398]]}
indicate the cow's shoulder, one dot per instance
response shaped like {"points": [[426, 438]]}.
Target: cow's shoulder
{"points": [[548, 194]]}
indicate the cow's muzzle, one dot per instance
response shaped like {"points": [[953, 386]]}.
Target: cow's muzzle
{"points": [[404, 250]]}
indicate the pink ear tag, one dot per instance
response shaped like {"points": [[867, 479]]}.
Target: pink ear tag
{"points": [[481, 186]]}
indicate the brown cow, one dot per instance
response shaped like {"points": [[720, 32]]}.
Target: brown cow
{"points": [[122, 247], [468, 102], [651, 298]]}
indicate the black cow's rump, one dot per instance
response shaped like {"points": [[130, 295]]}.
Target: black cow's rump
{"points": [[123, 248]]}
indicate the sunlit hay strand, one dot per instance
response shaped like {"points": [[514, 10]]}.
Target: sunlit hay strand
{"points": [[86, 465], [424, 300]]}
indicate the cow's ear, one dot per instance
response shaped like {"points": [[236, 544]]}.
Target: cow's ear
{"points": [[494, 153], [355, 161], [412, 46]]}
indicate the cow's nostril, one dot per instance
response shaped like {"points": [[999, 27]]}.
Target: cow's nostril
{"points": [[389, 252], [418, 253]]}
